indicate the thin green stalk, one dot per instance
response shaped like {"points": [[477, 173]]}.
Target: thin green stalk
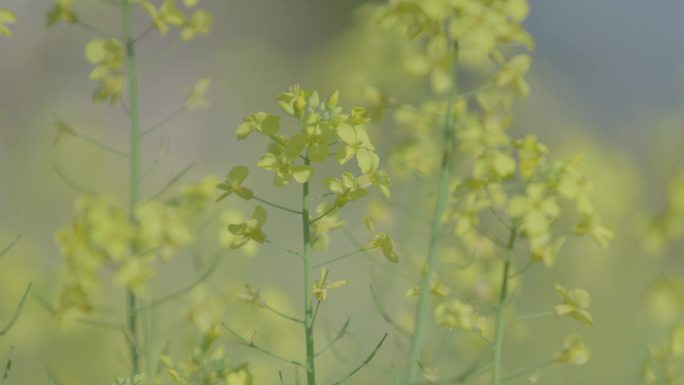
{"points": [[171, 49], [308, 285], [501, 311], [8, 367], [330, 210], [285, 249], [339, 335], [176, 178], [387, 317], [251, 344], [444, 178], [343, 256], [531, 316], [93, 29], [9, 247], [264, 201], [17, 311], [66, 179], [162, 122], [134, 165], [365, 362], [539, 366], [157, 302], [281, 314], [101, 145], [133, 332]]}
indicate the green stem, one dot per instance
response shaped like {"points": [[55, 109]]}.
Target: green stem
{"points": [[308, 285], [10, 245], [281, 314], [17, 312], [421, 315], [66, 179], [343, 256], [501, 311], [173, 181], [540, 366], [251, 344], [101, 145], [162, 122], [531, 316], [134, 165], [264, 201], [387, 317], [365, 362], [285, 249], [133, 332], [93, 29], [171, 49], [330, 210], [339, 335], [8, 367]]}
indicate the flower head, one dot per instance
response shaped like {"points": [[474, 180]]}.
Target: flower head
{"points": [[381, 241], [233, 184], [347, 188], [575, 304], [573, 352], [249, 230], [322, 285]]}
